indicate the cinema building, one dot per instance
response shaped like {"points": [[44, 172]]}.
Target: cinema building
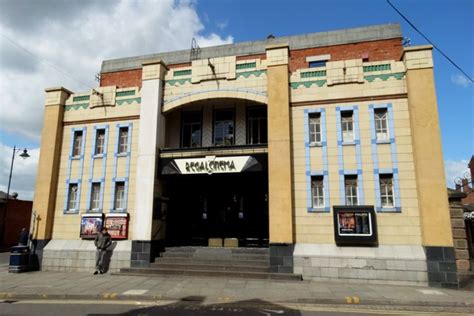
{"points": [[322, 148]]}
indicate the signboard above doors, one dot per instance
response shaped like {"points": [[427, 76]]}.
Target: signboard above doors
{"points": [[212, 164]]}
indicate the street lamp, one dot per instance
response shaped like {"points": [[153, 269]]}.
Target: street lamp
{"points": [[23, 155]]}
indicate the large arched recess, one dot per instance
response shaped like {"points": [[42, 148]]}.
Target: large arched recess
{"points": [[242, 94]]}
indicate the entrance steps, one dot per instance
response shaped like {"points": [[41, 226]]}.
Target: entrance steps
{"points": [[247, 263]]}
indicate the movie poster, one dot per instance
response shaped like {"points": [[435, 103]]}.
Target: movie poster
{"points": [[91, 225], [117, 226], [354, 223]]}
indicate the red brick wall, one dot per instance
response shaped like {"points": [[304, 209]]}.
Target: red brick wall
{"points": [[122, 79], [18, 216], [390, 49], [376, 50]]}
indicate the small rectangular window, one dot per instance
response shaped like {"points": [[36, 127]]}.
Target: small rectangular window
{"points": [[123, 140], [191, 129], [99, 142], [95, 196], [77, 144], [315, 128], [319, 63], [119, 202], [224, 127], [317, 190], [72, 196], [381, 124], [347, 122], [386, 190], [350, 184], [257, 125]]}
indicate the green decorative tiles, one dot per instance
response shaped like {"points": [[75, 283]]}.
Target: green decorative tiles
{"points": [[178, 73], [176, 82], [310, 74], [125, 93], [384, 67], [307, 84], [129, 101], [76, 106], [247, 74], [384, 77], [81, 98], [245, 66]]}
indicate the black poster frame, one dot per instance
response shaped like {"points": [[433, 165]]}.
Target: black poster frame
{"points": [[356, 239]]}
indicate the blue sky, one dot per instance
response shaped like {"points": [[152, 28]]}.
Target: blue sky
{"points": [[77, 43]]}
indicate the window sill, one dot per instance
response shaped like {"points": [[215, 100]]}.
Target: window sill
{"points": [[322, 209], [98, 156], [96, 210], [396, 209], [352, 143], [122, 154], [71, 211], [76, 157], [387, 141], [316, 144], [119, 210]]}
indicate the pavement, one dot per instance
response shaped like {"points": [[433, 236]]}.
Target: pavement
{"points": [[44, 285]]}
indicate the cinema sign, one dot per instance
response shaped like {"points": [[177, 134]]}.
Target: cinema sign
{"points": [[212, 164]]}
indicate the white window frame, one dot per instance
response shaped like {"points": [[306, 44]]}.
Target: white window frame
{"points": [[317, 192], [351, 190], [123, 141], [119, 198], [315, 132], [72, 196], [99, 142], [387, 197], [77, 143], [381, 124], [95, 196], [347, 126]]}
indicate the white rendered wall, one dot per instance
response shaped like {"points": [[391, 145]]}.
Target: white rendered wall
{"points": [[149, 138]]}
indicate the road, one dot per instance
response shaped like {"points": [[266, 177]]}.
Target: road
{"points": [[180, 308]]}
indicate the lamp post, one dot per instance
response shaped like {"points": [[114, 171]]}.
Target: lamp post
{"points": [[23, 155]]}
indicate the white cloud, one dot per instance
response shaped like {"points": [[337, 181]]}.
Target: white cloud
{"points": [[461, 80], [455, 169], [76, 39], [222, 24], [23, 174]]}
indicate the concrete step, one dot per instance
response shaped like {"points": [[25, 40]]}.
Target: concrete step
{"points": [[209, 266], [214, 256], [209, 273], [213, 261], [210, 250]]}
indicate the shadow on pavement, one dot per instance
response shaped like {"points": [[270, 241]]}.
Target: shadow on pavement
{"points": [[193, 305]]}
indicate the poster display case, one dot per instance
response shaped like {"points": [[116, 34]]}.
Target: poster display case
{"points": [[117, 225], [355, 226], [91, 224]]}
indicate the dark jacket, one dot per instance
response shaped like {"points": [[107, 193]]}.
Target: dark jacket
{"points": [[102, 241]]}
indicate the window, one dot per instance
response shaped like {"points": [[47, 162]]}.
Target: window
{"points": [[77, 144], [99, 142], [191, 129], [223, 127], [257, 125], [319, 63], [317, 190], [123, 140], [119, 202], [315, 128], [347, 122], [386, 190], [350, 183], [72, 197], [95, 196], [381, 124]]}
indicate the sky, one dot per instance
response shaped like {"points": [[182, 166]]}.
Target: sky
{"points": [[62, 43]]}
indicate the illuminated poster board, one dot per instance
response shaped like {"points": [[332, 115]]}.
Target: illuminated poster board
{"points": [[355, 226], [117, 225], [91, 224]]}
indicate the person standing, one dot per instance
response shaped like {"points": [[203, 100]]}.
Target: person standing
{"points": [[24, 237], [102, 242]]}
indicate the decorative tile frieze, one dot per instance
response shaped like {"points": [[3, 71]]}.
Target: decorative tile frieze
{"points": [[246, 66], [129, 101], [186, 72], [372, 68], [310, 74], [81, 98], [247, 74], [125, 93], [76, 106], [384, 77], [307, 84], [177, 82]]}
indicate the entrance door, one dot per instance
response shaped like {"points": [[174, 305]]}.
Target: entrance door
{"points": [[217, 206]]}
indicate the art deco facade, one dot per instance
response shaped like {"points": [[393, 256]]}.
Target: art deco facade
{"points": [[323, 147]]}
